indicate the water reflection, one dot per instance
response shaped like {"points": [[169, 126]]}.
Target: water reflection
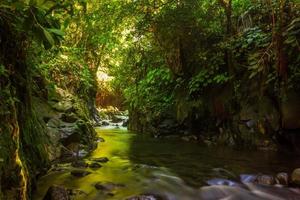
{"points": [[167, 167], [195, 163]]}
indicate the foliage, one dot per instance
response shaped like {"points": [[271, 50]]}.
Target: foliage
{"points": [[152, 94]]}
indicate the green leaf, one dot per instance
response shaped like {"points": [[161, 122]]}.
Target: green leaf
{"points": [[56, 31], [49, 37]]}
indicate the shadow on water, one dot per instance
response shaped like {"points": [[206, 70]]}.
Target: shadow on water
{"points": [[195, 164]]}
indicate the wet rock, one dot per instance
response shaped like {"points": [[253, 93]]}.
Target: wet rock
{"points": [[56, 193], [145, 197], [76, 192], [125, 123], [82, 153], [282, 178], [104, 123], [265, 180], [62, 106], [220, 181], [296, 177], [116, 119], [108, 186], [54, 123], [101, 159], [80, 173], [247, 178], [69, 118], [79, 164], [167, 126], [100, 139], [70, 149], [70, 134], [95, 165]]}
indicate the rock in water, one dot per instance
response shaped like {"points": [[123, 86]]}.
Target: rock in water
{"points": [[104, 123], [265, 180], [220, 181], [79, 164], [56, 193], [296, 176], [282, 178], [101, 159], [100, 139], [247, 178], [80, 173], [95, 165]]}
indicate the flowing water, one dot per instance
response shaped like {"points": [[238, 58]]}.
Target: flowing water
{"points": [[171, 167]]}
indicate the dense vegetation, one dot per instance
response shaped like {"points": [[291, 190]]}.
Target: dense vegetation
{"points": [[226, 67], [225, 71]]}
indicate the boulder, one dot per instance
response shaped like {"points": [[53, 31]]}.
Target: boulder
{"points": [[125, 123], [295, 177], [265, 180], [104, 123], [63, 106], [116, 119], [282, 178], [57, 193], [167, 126]]}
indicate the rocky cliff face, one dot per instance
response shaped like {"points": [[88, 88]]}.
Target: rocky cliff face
{"points": [[37, 131]]}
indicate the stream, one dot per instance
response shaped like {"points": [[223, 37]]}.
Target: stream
{"points": [[140, 164]]}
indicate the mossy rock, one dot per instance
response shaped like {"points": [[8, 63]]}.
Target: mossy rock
{"points": [[296, 177]]}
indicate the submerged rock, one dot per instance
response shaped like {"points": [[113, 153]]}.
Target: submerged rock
{"points": [[57, 193], [101, 159], [76, 193], [109, 186], [80, 173], [95, 165], [100, 139]]}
